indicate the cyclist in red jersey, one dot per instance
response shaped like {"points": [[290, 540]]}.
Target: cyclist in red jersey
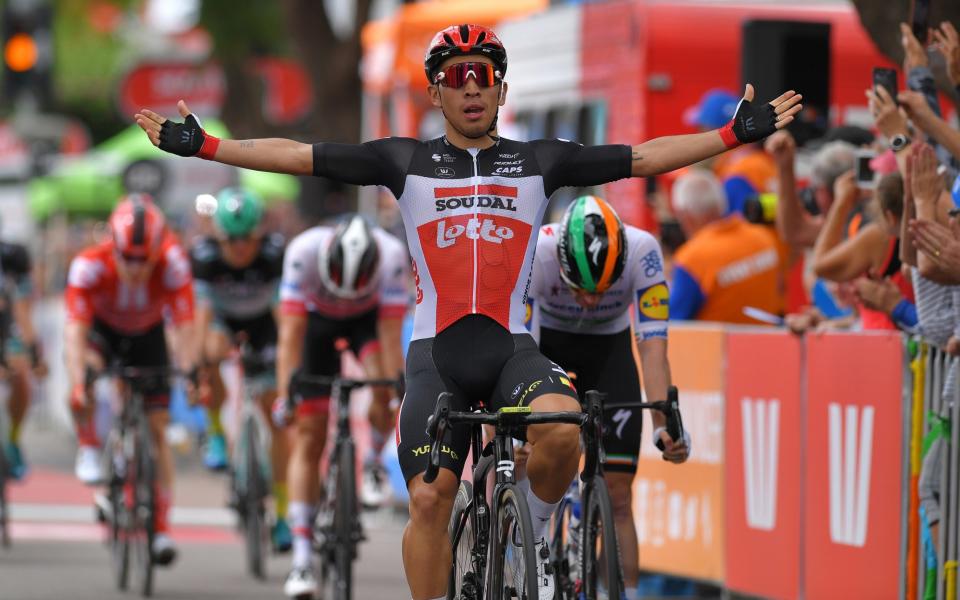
{"points": [[472, 204], [119, 295]]}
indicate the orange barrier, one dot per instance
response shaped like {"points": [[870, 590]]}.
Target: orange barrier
{"points": [[679, 509]]}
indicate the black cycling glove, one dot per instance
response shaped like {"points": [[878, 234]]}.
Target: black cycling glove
{"points": [[187, 138], [751, 123]]}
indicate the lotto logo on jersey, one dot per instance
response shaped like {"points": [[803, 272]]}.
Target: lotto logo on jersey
{"points": [[474, 229]]}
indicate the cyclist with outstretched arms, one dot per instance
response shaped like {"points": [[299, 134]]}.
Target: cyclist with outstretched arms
{"points": [[21, 351], [236, 275], [472, 204], [348, 282], [119, 296], [588, 271]]}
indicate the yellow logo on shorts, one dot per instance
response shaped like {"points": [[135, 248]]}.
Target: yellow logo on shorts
{"points": [[654, 303]]}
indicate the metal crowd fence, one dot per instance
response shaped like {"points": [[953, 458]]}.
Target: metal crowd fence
{"points": [[932, 457]]}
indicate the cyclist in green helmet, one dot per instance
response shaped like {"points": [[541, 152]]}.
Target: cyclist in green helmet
{"points": [[237, 279]]}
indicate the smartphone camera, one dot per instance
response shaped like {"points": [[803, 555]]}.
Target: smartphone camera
{"points": [[863, 172]]}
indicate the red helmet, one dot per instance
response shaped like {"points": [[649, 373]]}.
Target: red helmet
{"points": [[138, 227], [463, 40]]}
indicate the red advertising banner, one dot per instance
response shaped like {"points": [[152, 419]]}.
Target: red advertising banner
{"points": [[159, 86], [763, 417], [678, 509], [853, 465]]}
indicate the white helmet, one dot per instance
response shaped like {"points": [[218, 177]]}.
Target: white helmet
{"points": [[350, 261]]}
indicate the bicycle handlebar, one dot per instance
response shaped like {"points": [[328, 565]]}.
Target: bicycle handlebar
{"points": [[443, 417]]}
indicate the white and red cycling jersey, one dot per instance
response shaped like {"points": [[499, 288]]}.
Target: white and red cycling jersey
{"points": [[302, 291], [471, 216], [95, 290]]}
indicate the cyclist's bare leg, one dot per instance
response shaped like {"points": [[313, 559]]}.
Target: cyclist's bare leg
{"points": [[279, 452], [621, 496], [19, 392], [83, 418], [159, 418], [426, 546], [216, 348], [379, 414], [303, 481], [555, 449]]}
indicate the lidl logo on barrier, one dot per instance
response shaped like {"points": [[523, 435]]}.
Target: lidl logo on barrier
{"points": [[761, 442], [850, 455]]}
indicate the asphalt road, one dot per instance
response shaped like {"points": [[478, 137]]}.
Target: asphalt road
{"points": [[58, 549]]}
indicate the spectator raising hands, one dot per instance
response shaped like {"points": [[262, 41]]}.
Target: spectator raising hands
{"points": [[947, 42], [941, 245]]}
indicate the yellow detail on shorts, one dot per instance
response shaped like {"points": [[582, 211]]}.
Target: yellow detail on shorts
{"points": [[516, 410], [655, 303], [567, 383]]}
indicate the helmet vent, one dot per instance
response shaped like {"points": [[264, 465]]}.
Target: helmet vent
{"points": [[465, 34]]}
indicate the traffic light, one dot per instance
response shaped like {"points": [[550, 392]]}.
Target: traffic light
{"points": [[27, 51]]}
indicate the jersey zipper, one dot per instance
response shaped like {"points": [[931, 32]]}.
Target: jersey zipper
{"points": [[476, 215]]}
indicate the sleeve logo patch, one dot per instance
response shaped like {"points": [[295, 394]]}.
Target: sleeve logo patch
{"points": [[651, 263], [528, 316], [654, 303]]}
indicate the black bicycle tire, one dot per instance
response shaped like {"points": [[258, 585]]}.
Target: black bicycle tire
{"points": [[345, 520], [253, 499], [4, 506], [598, 510], [119, 541], [566, 588], [145, 500], [511, 504], [463, 537]]}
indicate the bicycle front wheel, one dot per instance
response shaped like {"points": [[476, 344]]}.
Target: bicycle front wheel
{"points": [[466, 571], [599, 551], [119, 516], [338, 557], [142, 525], [253, 500], [512, 567]]}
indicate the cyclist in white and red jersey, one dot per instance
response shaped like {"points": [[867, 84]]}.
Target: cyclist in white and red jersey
{"points": [[117, 295], [472, 204], [588, 272], [347, 282]]}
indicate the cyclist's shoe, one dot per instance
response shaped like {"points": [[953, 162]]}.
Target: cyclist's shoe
{"points": [[546, 581], [376, 485], [300, 583], [88, 468], [281, 537], [215, 457], [18, 467], [163, 550]]}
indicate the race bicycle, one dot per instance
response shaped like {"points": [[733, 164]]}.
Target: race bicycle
{"points": [[250, 475], [131, 471], [337, 528], [584, 549], [493, 543]]}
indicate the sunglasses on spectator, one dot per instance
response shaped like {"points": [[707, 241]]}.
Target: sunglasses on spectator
{"points": [[455, 76]]}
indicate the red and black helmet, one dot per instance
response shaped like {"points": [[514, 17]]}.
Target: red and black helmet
{"points": [[463, 40], [138, 227]]}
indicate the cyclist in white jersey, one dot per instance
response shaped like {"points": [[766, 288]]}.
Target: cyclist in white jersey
{"points": [[349, 282], [472, 228], [588, 271]]}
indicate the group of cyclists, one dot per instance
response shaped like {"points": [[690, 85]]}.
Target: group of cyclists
{"points": [[507, 313]]}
